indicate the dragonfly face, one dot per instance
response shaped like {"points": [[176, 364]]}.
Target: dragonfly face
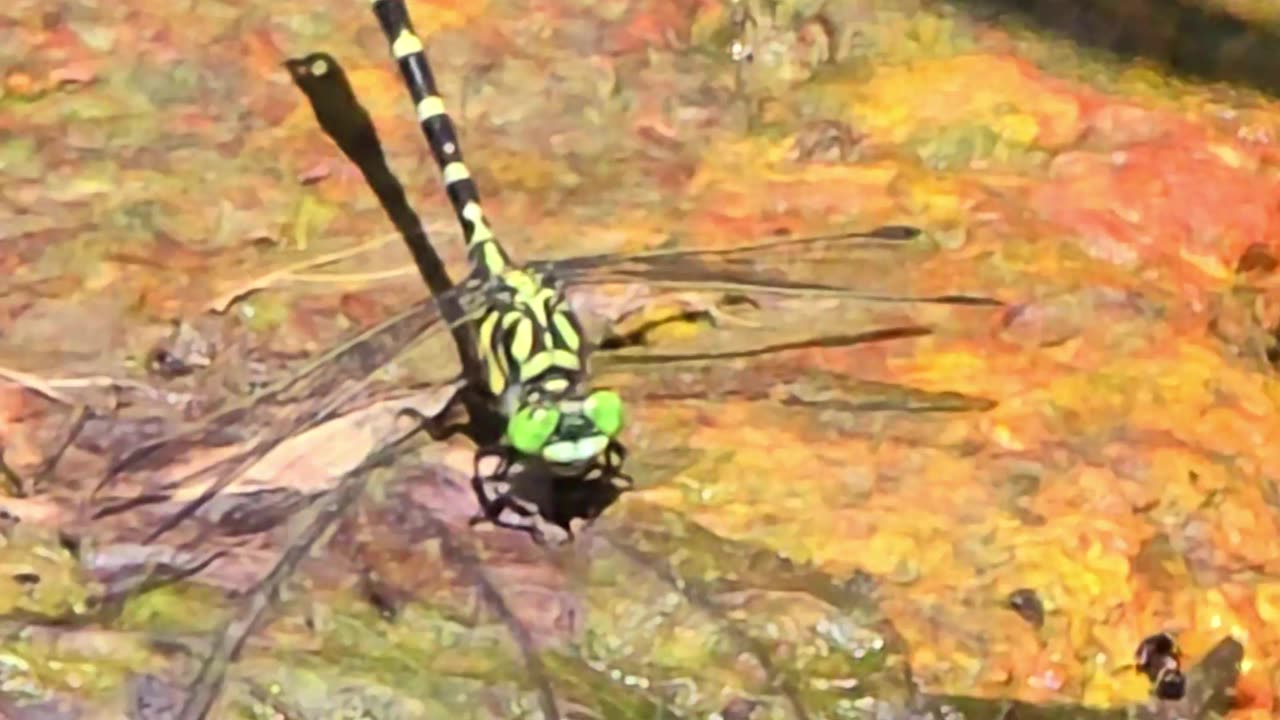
{"points": [[568, 433]]}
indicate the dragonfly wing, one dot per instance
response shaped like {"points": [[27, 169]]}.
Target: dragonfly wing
{"points": [[857, 265], [798, 349], [780, 298], [884, 236], [328, 385], [690, 381]]}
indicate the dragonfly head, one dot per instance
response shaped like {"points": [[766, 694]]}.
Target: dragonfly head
{"points": [[570, 430]]}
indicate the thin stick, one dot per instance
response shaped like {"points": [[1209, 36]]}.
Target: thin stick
{"points": [[49, 387], [354, 278], [76, 426], [35, 384], [16, 486], [204, 690], [262, 282]]}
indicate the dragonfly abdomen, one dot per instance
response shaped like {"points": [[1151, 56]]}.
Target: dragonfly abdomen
{"points": [[483, 248]]}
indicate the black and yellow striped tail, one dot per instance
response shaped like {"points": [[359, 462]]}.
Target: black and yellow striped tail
{"points": [[482, 247]]}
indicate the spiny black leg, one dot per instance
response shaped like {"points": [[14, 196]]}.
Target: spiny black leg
{"points": [[439, 429], [523, 516], [480, 481], [477, 426], [536, 527], [615, 458], [501, 506], [496, 506]]}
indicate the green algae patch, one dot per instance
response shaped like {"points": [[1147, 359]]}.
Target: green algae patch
{"points": [[41, 580], [186, 608]]}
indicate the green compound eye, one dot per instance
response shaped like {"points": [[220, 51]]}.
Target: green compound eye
{"points": [[604, 409], [531, 427]]}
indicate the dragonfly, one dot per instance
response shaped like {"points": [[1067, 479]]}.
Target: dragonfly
{"points": [[549, 438]]}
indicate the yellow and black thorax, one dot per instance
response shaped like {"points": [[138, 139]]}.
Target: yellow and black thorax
{"points": [[529, 340]]}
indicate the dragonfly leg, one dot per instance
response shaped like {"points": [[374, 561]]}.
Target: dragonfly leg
{"points": [[492, 487], [614, 459], [439, 428], [467, 403], [512, 513], [502, 507]]}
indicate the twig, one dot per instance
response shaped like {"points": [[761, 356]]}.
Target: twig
{"points": [[243, 411], [158, 575], [700, 598], [353, 278], [17, 487], [204, 690], [73, 431], [49, 387], [35, 384], [243, 462], [226, 300], [492, 597]]}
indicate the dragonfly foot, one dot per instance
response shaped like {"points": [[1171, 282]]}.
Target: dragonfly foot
{"points": [[511, 513], [436, 428]]}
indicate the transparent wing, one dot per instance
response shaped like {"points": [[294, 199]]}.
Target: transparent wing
{"points": [[815, 265], [335, 380], [778, 300], [218, 448]]}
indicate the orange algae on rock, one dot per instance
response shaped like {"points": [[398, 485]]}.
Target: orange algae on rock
{"points": [[1001, 92]]}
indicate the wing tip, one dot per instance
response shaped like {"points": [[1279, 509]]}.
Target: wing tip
{"points": [[895, 232]]}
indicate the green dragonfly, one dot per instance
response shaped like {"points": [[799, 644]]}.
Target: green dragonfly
{"points": [[549, 439]]}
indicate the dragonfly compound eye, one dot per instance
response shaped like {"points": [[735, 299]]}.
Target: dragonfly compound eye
{"points": [[604, 409], [531, 427]]}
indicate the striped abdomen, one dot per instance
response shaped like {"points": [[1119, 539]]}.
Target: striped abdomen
{"points": [[482, 247]]}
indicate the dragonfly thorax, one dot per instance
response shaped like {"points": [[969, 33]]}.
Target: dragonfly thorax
{"points": [[534, 354], [528, 337]]}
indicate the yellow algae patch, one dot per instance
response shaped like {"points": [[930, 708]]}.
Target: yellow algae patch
{"points": [[1210, 265], [1238, 527], [938, 370], [1020, 128], [1255, 393], [1233, 158], [1108, 687], [430, 16], [1005, 436], [1017, 423], [1211, 617], [1171, 466], [526, 170], [904, 101], [1267, 602], [1229, 431], [1087, 489], [1069, 577], [940, 199], [736, 159]]}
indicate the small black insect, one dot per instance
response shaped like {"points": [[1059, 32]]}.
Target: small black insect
{"points": [[1028, 605], [1159, 658]]}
